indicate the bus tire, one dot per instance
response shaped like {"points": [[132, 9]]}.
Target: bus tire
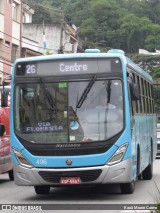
{"points": [[139, 175], [127, 188], [11, 175], [148, 171], [42, 189]]}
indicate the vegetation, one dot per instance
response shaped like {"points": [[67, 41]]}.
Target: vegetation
{"points": [[123, 24]]}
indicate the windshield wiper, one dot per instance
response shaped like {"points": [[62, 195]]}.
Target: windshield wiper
{"points": [[50, 99], [86, 91]]}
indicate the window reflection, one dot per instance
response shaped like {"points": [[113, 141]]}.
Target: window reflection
{"points": [[48, 112]]}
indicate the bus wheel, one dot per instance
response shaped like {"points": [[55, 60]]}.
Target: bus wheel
{"points": [[11, 176], [148, 172], [139, 175], [42, 189], [127, 188]]}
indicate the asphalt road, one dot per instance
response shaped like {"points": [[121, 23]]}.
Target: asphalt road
{"points": [[91, 199]]}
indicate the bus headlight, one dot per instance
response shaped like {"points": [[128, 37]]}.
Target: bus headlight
{"points": [[118, 155], [21, 159]]}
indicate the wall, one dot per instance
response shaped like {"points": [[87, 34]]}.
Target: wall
{"points": [[52, 34], [16, 33], [1, 26]]}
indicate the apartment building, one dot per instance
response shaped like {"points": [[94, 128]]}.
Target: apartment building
{"points": [[10, 34]]}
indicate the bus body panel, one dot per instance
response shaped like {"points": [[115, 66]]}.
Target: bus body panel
{"points": [[144, 132]]}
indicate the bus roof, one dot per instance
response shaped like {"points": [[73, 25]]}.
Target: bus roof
{"points": [[91, 54], [138, 69], [131, 64]]}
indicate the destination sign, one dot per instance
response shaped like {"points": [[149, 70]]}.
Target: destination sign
{"points": [[75, 67], [68, 67], [44, 127]]}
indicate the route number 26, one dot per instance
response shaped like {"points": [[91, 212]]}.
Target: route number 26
{"points": [[30, 69]]}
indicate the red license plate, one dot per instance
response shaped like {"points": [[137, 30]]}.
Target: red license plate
{"points": [[70, 180]]}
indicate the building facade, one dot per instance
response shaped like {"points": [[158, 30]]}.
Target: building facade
{"points": [[10, 34]]}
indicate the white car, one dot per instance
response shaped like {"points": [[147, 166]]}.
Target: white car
{"points": [[158, 127], [158, 144]]}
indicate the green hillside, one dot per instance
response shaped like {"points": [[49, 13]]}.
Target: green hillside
{"points": [[125, 24]]}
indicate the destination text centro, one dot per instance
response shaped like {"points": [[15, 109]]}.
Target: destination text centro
{"points": [[73, 68]]}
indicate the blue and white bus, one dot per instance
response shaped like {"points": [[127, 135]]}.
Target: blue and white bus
{"points": [[62, 135]]}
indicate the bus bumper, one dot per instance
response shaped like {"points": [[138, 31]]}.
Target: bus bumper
{"points": [[118, 173]]}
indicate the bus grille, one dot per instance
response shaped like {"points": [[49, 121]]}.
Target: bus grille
{"points": [[85, 176]]}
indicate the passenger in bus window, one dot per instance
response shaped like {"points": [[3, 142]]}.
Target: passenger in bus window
{"points": [[41, 100], [119, 102], [104, 102], [106, 110], [45, 110], [28, 114]]}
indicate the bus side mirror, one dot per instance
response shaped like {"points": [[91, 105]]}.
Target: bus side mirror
{"points": [[135, 93], [4, 99], [2, 129]]}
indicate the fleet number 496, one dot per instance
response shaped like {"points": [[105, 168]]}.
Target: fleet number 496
{"points": [[41, 161]]}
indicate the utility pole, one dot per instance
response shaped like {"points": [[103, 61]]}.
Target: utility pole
{"points": [[21, 23], [61, 32]]}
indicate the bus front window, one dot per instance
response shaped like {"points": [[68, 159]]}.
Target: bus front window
{"points": [[101, 114], [51, 113]]}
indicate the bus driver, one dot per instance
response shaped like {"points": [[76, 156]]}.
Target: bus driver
{"points": [[104, 102]]}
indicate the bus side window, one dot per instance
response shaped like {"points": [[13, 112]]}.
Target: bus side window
{"points": [[132, 106]]}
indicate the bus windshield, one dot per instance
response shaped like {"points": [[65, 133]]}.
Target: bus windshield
{"points": [[69, 111]]}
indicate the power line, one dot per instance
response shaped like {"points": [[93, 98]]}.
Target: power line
{"points": [[7, 70], [7, 48], [6, 59], [5, 53], [6, 63], [2, 62], [4, 72], [48, 8]]}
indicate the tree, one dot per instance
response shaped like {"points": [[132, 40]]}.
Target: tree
{"points": [[153, 38], [156, 73], [155, 11], [133, 31], [105, 15], [43, 11]]}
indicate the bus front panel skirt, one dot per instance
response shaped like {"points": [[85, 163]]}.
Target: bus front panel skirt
{"points": [[118, 173]]}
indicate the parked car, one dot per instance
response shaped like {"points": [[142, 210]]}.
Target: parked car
{"points": [[5, 155], [158, 141], [158, 127]]}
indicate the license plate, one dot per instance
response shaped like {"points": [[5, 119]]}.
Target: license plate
{"points": [[70, 180]]}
